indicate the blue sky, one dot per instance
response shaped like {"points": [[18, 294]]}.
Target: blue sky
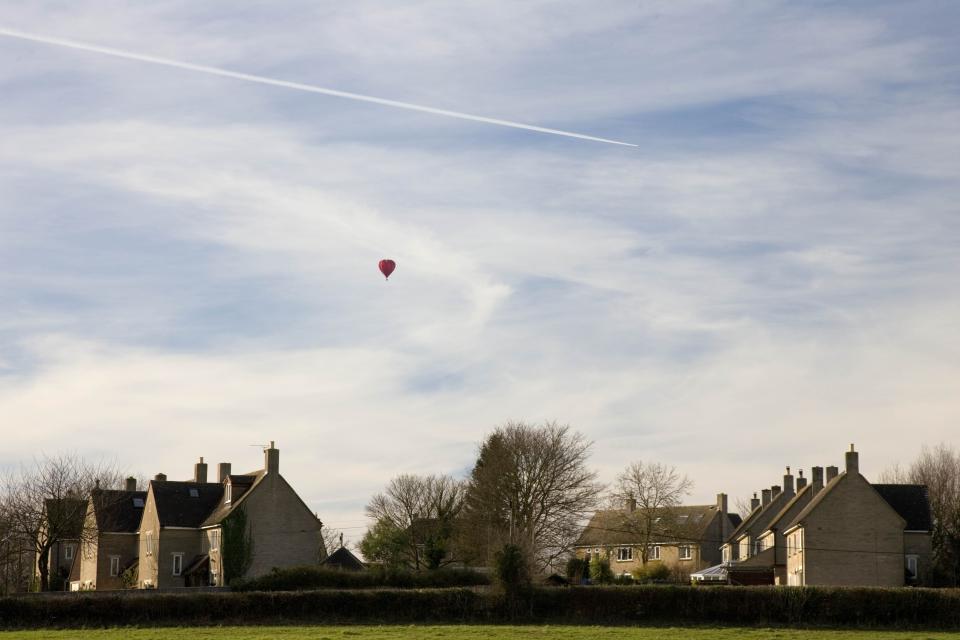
{"points": [[188, 263]]}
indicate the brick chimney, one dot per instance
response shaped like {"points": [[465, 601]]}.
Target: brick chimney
{"points": [[160, 477], [788, 482], [724, 521], [832, 472], [271, 459], [801, 481], [766, 497], [223, 470], [775, 491], [200, 471], [754, 502], [131, 484], [853, 460]]}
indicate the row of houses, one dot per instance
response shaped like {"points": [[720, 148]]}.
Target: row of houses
{"points": [[195, 532], [835, 528]]}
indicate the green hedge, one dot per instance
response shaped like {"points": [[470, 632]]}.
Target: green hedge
{"points": [[304, 578], [776, 606]]}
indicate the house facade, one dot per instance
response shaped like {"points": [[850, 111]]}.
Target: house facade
{"points": [[838, 530], [197, 533], [109, 551], [685, 538]]}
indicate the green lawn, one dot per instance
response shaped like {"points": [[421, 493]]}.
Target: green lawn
{"points": [[457, 632]]}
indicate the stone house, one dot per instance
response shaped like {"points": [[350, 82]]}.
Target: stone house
{"points": [[63, 522], [837, 530], [110, 545], [686, 537], [196, 532]]}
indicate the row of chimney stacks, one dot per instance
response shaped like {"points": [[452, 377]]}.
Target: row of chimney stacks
{"points": [[817, 480], [271, 462]]}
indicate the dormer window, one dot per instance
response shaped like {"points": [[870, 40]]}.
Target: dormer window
{"points": [[138, 503], [194, 494]]}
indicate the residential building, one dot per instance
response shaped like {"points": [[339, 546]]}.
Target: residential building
{"points": [[109, 551], [837, 530], [684, 538], [63, 522], [190, 529]]}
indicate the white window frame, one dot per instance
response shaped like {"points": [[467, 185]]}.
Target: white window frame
{"points": [[915, 570], [624, 554], [68, 551], [654, 552], [149, 545], [114, 566], [689, 552], [215, 540], [228, 494], [177, 564]]}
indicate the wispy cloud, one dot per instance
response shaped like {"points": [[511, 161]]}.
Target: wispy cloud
{"points": [[768, 277]]}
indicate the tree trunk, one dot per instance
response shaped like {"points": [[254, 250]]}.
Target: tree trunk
{"points": [[43, 567]]}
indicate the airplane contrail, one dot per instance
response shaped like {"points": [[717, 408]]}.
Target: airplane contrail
{"points": [[129, 55]]}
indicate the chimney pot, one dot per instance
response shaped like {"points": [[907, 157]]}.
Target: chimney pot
{"points": [[788, 482], [200, 471], [754, 502], [832, 472], [271, 459], [853, 461]]}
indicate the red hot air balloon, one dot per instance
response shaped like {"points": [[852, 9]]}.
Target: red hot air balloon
{"points": [[387, 267]]}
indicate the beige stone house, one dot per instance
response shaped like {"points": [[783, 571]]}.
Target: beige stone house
{"points": [[109, 548], [686, 538], [837, 530], [190, 529]]}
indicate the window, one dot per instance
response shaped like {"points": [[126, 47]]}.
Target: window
{"points": [[194, 493], [177, 564], [726, 553], [686, 553], [68, 551], [655, 552], [149, 544], [138, 503], [229, 494], [214, 539], [624, 554], [912, 565], [114, 565]]}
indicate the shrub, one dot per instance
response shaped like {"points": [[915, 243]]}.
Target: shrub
{"points": [[652, 572], [600, 572], [577, 570], [313, 577]]}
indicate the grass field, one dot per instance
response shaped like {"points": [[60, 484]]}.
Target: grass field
{"points": [[448, 632]]}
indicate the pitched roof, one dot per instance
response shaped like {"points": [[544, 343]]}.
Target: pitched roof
{"points": [[222, 508], [184, 504], [817, 499], [117, 511], [684, 524], [343, 559], [911, 501], [805, 493], [761, 515]]}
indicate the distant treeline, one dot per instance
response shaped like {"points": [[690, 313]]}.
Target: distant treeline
{"points": [[902, 608]]}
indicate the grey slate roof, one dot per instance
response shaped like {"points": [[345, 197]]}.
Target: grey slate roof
{"points": [[682, 524], [342, 558], [911, 501], [177, 507], [241, 486], [116, 511]]}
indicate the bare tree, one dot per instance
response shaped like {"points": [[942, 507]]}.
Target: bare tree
{"points": [[743, 508], [530, 487], [649, 492], [46, 507], [939, 469], [414, 517]]}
